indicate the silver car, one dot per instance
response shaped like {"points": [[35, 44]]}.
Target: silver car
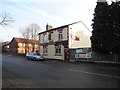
{"points": [[34, 56]]}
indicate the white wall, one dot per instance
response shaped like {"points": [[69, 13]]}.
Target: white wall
{"points": [[82, 32]]}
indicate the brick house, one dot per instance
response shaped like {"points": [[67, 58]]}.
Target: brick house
{"points": [[5, 46], [21, 45], [55, 43]]}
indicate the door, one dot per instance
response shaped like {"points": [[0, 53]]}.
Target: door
{"points": [[66, 54]]}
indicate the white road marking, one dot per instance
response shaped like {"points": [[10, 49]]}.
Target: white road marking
{"points": [[93, 73]]}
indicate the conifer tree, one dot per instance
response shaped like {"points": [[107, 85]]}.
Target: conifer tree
{"points": [[115, 26], [100, 27]]}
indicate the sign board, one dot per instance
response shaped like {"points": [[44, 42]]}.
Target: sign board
{"points": [[83, 53]]}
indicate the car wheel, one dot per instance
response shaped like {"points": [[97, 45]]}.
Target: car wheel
{"points": [[27, 58], [34, 59]]}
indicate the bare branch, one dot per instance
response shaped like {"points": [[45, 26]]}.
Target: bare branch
{"points": [[34, 30], [6, 19], [31, 32]]}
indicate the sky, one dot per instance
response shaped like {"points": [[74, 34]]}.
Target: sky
{"points": [[54, 12]]}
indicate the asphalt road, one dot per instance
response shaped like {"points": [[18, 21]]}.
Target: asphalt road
{"points": [[21, 73]]}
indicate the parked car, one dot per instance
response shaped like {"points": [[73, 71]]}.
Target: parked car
{"points": [[34, 56]]}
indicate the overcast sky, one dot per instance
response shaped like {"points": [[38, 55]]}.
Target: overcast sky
{"points": [[54, 12]]}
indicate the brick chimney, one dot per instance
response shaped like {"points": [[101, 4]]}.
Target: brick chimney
{"points": [[48, 27]]}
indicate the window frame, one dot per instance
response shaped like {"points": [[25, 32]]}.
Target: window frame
{"points": [[50, 36], [20, 44], [58, 49], [60, 35], [44, 38], [36, 45]]}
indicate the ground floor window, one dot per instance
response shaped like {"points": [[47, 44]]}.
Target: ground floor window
{"points": [[44, 49], [21, 51], [58, 49]]}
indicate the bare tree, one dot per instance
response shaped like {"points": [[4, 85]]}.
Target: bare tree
{"points": [[34, 28], [31, 32], [5, 19], [25, 32]]}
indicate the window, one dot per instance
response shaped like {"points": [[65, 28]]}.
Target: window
{"points": [[58, 49], [50, 37], [30, 45], [20, 44], [20, 51], [23, 51], [24, 44], [60, 35], [44, 38], [36, 45], [39, 37], [29, 50], [44, 49], [8, 46]]}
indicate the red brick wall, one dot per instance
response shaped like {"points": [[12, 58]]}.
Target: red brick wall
{"points": [[13, 46]]}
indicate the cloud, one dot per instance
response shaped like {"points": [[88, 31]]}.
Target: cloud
{"points": [[45, 1], [43, 13], [35, 10]]}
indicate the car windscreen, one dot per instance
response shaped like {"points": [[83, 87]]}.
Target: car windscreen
{"points": [[38, 54]]}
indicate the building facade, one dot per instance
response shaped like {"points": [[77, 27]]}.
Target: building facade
{"points": [[55, 43], [5, 46], [22, 46]]}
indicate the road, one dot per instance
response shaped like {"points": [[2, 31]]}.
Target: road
{"points": [[21, 73]]}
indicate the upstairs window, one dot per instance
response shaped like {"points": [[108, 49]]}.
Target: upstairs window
{"points": [[36, 45], [39, 37], [20, 44], [50, 37], [30, 45], [44, 38], [8, 46], [60, 35]]}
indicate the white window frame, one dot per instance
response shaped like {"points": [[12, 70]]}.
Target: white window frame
{"points": [[20, 44], [60, 35], [44, 37], [36, 45], [8, 46], [58, 49], [24, 44], [30, 45], [51, 36]]}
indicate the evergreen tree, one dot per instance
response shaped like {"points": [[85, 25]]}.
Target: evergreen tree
{"points": [[106, 28], [100, 31], [115, 26]]}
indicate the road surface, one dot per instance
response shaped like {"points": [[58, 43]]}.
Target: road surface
{"points": [[21, 73]]}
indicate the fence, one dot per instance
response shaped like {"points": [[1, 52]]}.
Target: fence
{"points": [[106, 58]]}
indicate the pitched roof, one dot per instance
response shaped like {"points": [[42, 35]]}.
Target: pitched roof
{"points": [[23, 40], [4, 43], [63, 27]]}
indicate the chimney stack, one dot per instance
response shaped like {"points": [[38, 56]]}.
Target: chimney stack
{"points": [[48, 27]]}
